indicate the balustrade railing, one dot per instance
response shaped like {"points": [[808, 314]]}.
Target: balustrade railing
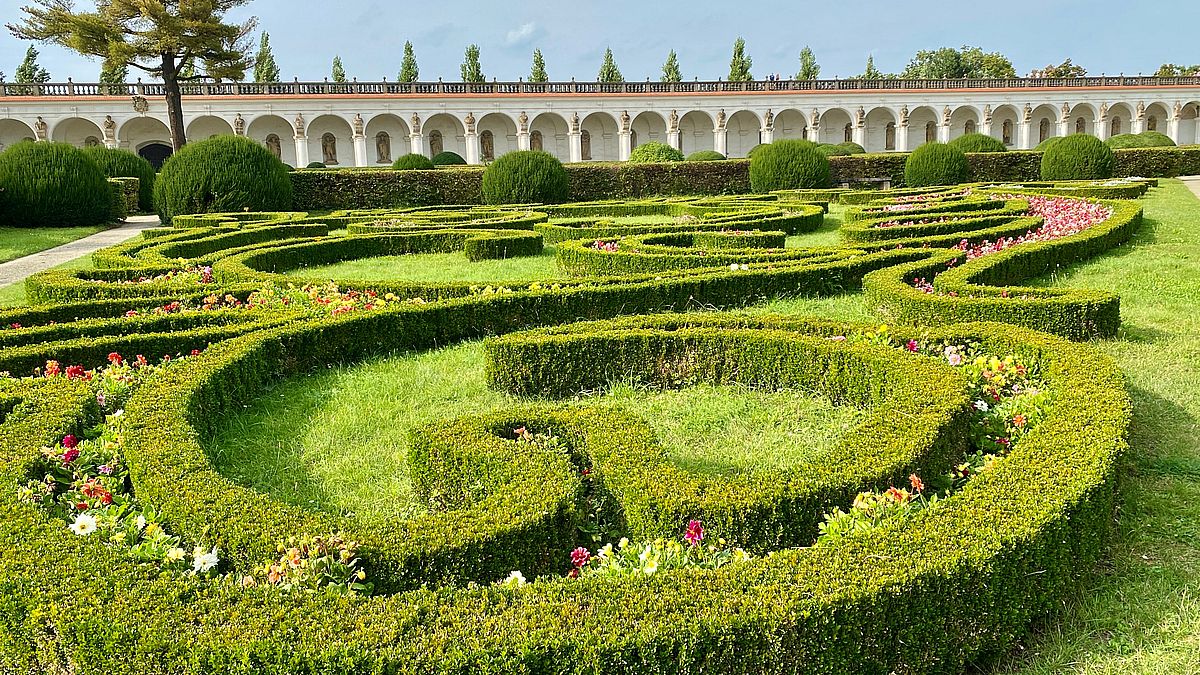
{"points": [[297, 88]]}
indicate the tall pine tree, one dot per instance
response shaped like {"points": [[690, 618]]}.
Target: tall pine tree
{"points": [[265, 68], [538, 72], [871, 72], [739, 65], [670, 69], [338, 73], [609, 72], [114, 72], [408, 66], [809, 69], [472, 71], [29, 72]]}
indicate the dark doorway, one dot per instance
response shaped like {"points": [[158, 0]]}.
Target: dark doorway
{"points": [[155, 153]]}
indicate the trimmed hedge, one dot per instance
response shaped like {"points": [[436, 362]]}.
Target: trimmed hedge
{"points": [[977, 142], [788, 165], [117, 163], [412, 161], [448, 158], [655, 152], [52, 185], [226, 173], [705, 156], [936, 164], [1078, 157], [525, 177]]}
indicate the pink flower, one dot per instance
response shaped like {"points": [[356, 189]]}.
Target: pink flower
{"points": [[911, 345], [694, 534], [69, 441], [70, 456], [580, 557]]}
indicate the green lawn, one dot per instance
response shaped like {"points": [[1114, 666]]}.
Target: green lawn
{"points": [[13, 295], [18, 242]]}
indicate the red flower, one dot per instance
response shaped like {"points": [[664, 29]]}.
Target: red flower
{"points": [[76, 372], [694, 534], [911, 346], [70, 456], [69, 441], [915, 481], [52, 368], [580, 557], [115, 359], [195, 352]]}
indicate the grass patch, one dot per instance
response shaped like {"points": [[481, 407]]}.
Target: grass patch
{"points": [[18, 242], [13, 295]]}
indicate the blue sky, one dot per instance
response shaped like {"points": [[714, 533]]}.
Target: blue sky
{"points": [[1104, 36]]}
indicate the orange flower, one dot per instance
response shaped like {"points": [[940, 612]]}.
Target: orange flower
{"points": [[915, 481], [1019, 420]]}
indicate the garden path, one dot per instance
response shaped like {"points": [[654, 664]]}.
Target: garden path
{"points": [[15, 271], [1193, 183]]}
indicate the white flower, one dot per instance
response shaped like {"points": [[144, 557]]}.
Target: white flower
{"points": [[140, 522], [204, 561], [744, 267], [623, 543], [175, 554], [515, 578], [651, 566], [84, 524], [606, 551], [981, 406], [733, 267]]}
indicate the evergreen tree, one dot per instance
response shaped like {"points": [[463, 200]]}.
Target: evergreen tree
{"points": [[871, 72], [408, 66], [471, 70], [29, 72], [114, 72], [809, 69], [670, 71], [739, 65], [187, 69], [1173, 70], [1064, 69], [265, 68], [338, 73], [538, 72], [609, 72]]}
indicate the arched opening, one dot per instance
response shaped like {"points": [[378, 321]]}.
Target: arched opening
{"points": [[601, 137], [445, 133], [329, 140], [880, 130], [1004, 124], [742, 133], [156, 153], [207, 126], [1083, 119], [13, 132], [76, 131], [142, 131], [790, 123], [497, 136], [1189, 124], [276, 134], [390, 136], [964, 120], [648, 127], [696, 132], [922, 121], [551, 132], [1045, 120], [833, 126], [1156, 117]]}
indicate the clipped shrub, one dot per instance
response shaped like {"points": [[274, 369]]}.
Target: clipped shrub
{"points": [[755, 149], [1078, 157], [705, 156], [447, 158], [830, 150], [412, 162], [1156, 139], [1048, 143], [226, 173], [936, 164], [787, 165], [978, 142], [525, 177], [315, 165], [852, 148], [51, 185], [655, 152], [1124, 141], [116, 163]]}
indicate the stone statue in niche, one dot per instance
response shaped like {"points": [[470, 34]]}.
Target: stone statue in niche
{"points": [[436, 145], [987, 113], [860, 117], [1066, 111], [110, 128], [889, 137], [1028, 113], [625, 120], [274, 146], [239, 125], [1141, 109], [674, 121], [469, 121], [414, 123], [721, 118], [1044, 129], [535, 140], [358, 125], [383, 147], [585, 144], [969, 127], [299, 124], [523, 123], [1006, 132], [40, 128], [1103, 110], [904, 115], [575, 122], [1116, 126], [930, 131], [329, 149], [1080, 125], [768, 119], [946, 115], [487, 145]]}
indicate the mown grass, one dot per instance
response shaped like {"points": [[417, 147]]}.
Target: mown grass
{"points": [[13, 295], [18, 242]]}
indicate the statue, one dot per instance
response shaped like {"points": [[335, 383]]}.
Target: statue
{"points": [[1028, 113], [1141, 110], [816, 119], [436, 145], [575, 122], [946, 115], [110, 128], [904, 115], [625, 120], [860, 117], [1103, 110], [239, 125], [523, 123], [383, 147], [487, 145], [470, 122], [768, 119], [358, 125], [329, 149], [1178, 110], [40, 128], [414, 123], [299, 124], [721, 118], [1066, 110], [274, 147], [987, 113], [674, 121]]}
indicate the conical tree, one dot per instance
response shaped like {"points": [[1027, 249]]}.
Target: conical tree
{"points": [[471, 70], [265, 68], [113, 72], [29, 72], [408, 66], [739, 65], [609, 72], [338, 74], [670, 69], [538, 72], [809, 69], [871, 72]]}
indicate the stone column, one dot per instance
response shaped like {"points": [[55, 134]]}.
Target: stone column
{"points": [[1103, 127], [766, 135], [721, 140], [859, 135], [673, 140], [1173, 130], [1024, 138], [416, 143], [301, 151], [902, 137], [943, 133], [624, 143], [360, 150], [986, 127], [575, 146], [472, 140]]}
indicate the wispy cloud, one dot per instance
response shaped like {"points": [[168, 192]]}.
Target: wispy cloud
{"points": [[520, 35]]}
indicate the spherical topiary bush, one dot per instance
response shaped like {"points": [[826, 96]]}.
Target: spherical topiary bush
{"points": [[787, 165], [831, 150], [705, 156], [412, 162], [852, 148], [226, 173], [1124, 141], [447, 158], [1155, 139], [1048, 143], [1078, 157], [51, 184], [655, 152], [978, 142], [315, 165], [117, 163], [936, 164], [755, 149], [525, 177]]}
